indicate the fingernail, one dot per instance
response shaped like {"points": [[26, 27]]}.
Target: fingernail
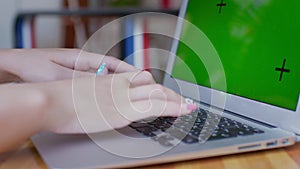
{"points": [[101, 69], [191, 107]]}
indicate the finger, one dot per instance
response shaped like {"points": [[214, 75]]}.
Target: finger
{"points": [[113, 64], [105, 72], [156, 108], [154, 91], [138, 78], [118, 66], [66, 73], [68, 61], [81, 60]]}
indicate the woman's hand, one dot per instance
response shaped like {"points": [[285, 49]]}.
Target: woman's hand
{"points": [[96, 104], [41, 65], [83, 105]]}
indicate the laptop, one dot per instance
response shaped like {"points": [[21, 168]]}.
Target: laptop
{"points": [[238, 60]]}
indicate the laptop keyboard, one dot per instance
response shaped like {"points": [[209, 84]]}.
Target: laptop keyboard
{"points": [[197, 127]]}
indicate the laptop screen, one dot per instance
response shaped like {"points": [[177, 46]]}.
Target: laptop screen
{"points": [[258, 43]]}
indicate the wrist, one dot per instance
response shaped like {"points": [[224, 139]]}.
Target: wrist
{"points": [[59, 106], [25, 104], [39, 104]]}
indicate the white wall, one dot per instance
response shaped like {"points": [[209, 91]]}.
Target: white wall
{"points": [[7, 11], [48, 29]]}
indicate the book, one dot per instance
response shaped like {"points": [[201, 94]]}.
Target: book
{"points": [[138, 55], [26, 33], [128, 46], [146, 43]]}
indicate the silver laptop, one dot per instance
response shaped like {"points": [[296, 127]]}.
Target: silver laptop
{"points": [[238, 60]]}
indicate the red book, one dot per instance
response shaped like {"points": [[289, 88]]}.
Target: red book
{"points": [[165, 4], [32, 33], [146, 46]]}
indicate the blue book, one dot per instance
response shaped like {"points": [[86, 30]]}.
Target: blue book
{"points": [[19, 32], [129, 41]]}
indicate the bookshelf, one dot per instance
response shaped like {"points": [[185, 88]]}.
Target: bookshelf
{"points": [[24, 32]]}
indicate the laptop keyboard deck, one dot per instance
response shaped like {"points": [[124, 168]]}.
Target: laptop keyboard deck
{"points": [[199, 126]]}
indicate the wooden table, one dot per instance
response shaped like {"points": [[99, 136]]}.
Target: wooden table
{"points": [[26, 157]]}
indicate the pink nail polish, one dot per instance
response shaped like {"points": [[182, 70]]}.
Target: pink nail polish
{"points": [[191, 107]]}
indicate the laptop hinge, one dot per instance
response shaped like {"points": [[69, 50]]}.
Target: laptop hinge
{"points": [[240, 116], [250, 119]]}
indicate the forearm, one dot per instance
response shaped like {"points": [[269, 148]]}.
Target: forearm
{"points": [[21, 114]]}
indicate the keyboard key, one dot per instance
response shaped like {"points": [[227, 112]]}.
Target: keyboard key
{"points": [[147, 131], [164, 140], [138, 125], [177, 133]]}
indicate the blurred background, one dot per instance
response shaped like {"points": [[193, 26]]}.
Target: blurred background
{"points": [[60, 24]]}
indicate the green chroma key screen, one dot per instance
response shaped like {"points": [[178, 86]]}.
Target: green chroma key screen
{"points": [[258, 42]]}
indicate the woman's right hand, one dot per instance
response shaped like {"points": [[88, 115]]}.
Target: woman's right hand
{"points": [[96, 104]]}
